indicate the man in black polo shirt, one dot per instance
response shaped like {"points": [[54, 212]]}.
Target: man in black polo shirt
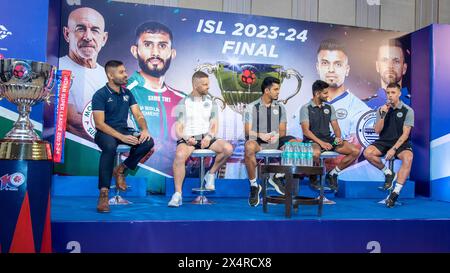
{"points": [[265, 128], [394, 122], [110, 106], [315, 119]]}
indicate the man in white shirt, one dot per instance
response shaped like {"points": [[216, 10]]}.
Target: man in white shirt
{"points": [[196, 128], [85, 34]]}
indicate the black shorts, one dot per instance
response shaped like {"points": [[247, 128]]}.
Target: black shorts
{"points": [[384, 147], [283, 140], [199, 143]]}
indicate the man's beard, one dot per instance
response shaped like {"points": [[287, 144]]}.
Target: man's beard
{"points": [[119, 81], [388, 80], [154, 72]]}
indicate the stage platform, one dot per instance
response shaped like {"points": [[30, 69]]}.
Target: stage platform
{"points": [[232, 226]]}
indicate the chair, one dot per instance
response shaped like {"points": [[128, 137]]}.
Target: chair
{"points": [[391, 167], [325, 155], [117, 199], [201, 199], [267, 155]]}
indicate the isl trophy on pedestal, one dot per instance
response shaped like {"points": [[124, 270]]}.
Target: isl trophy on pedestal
{"points": [[25, 83], [26, 165], [240, 84]]}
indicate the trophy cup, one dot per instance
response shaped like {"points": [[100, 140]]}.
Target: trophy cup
{"points": [[26, 165], [240, 84], [25, 83]]}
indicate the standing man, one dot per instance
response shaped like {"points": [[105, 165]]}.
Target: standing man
{"points": [[85, 34], [196, 128], [333, 67], [110, 105], [315, 119], [394, 122], [154, 51], [265, 128], [391, 66]]}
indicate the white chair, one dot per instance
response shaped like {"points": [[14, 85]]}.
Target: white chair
{"points": [[201, 199], [117, 199], [267, 155]]}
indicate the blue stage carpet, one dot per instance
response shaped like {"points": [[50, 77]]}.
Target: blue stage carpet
{"points": [[154, 208]]}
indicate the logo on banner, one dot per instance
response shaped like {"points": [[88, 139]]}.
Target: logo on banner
{"points": [[365, 128], [4, 32], [341, 113], [248, 76], [88, 120], [11, 182]]}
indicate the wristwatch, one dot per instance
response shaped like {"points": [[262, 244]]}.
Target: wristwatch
{"points": [[395, 149]]}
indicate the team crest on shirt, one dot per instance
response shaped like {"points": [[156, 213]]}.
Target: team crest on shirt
{"points": [[341, 113], [206, 104], [365, 130], [399, 114], [275, 111], [326, 111], [88, 120], [126, 97]]}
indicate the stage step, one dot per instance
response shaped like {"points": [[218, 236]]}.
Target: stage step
{"points": [[88, 186], [369, 189], [233, 188]]}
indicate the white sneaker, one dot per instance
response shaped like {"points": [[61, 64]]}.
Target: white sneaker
{"points": [[176, 200], [209, 181]]}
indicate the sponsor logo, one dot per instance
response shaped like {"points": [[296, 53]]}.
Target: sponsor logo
{"points": [[4, 32], [88, 120], [365, 128], [341, 113], [11, 182]]}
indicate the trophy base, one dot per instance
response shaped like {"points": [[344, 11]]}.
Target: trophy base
{"points": [[25, 150]]}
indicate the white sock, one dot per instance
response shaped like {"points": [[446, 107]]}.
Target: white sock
{"points": [[336, 170], [253, 183], [279, 175], [386, 170], [398, 188]]}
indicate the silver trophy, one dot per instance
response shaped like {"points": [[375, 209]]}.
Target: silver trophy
{"points": [[25, 83], [240, 84]]}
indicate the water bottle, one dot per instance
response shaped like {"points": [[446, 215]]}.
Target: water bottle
{"points": [[303, 154], [289, 154], [310, 155], [284, 156], [296, 153]]}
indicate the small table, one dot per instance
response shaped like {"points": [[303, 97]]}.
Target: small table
{"points": [[292, 173]]}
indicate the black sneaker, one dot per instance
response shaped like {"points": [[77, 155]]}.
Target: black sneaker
{"points": [[314, 182], [392, 198], [332, 181], [389, 181], [253, 199], [278, 184]]}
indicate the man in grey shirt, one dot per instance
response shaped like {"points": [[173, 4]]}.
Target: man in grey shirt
{"points": [[394, 123], [315, 119], [265, 128]]}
